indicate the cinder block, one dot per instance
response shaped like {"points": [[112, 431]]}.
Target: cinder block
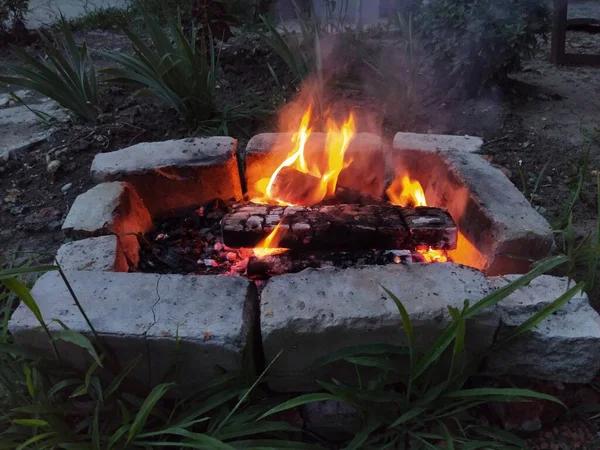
{"points": [[174, 174], [141, 315], [315, 312], [110, 208], [102, 254]]}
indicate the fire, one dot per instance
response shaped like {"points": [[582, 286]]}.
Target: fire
{"points": [[407, 192], [319, 182], [268, 246], [433, 255]]}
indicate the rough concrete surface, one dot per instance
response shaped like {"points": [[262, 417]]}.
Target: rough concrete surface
{"points": [[565, 347], [140, 315], [437, 142], [314, 312], [110, 208], [516, 228], [212, 316], [174, 174], [365, 173], [99, 253]]}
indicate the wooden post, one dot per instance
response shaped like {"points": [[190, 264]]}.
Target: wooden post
{"points": [[559, 31]]}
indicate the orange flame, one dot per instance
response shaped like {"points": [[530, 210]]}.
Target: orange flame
{"points": [[405, 192], [268, 246], [337, 142]]}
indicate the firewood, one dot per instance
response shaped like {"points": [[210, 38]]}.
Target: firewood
{"points": [[340, 227]]}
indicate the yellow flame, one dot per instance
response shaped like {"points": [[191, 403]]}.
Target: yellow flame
{"points": [[268, 246], [433, 255], [336, 144], [405, 192]]}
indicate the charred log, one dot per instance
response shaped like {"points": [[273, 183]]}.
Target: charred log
{"points": [[340, 227], [292, 262]]}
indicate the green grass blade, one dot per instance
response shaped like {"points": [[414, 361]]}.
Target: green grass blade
{"points": [[546, 311], [140, 419], [298, 401]]}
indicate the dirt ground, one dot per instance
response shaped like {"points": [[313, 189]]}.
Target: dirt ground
{"points": [[541, 121]]}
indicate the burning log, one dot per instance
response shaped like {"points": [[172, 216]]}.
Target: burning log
{"points": [[293, 186], [340, 227]]}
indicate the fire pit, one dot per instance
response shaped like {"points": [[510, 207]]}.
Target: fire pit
{"points": [[293, 254]]}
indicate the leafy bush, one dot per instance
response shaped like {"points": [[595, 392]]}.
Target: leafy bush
{"points": [[477, 42], [174, 69], [70, 81]]}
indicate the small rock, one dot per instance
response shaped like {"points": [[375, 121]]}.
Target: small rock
{"points": [[53, 166], [210, 263], [17, 210], [66, 187], [231, 256]]}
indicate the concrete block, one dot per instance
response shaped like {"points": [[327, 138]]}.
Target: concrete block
{"points": [[437, 143], [110, 208], [565, 347], [102, 253], [315, 312], [174, 174], [139, 314], [496, 217], [212, 315], [265, 152], [495, 220]]}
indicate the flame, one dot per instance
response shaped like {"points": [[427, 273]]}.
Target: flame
{"points": [[268, 246], [405, 192], [433, 255], [337, 142]]}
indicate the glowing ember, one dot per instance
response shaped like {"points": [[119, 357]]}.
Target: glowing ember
{"points": [[322, 181], [405, 192], [268, 246], [433, 255]]}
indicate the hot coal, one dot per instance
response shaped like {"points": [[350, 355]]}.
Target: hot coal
{"points": [[189, 242]]}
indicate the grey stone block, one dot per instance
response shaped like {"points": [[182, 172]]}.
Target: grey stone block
{"points": [[141, 314], [496, 216], [315, 312], [100, 254], [366, 174], [437, 142], [495, 220], [110, 208], [212, 315], [565, 347], [174, 174]]}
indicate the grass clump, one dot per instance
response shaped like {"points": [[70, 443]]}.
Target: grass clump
{"points": [[177, 69], [107, 18]]}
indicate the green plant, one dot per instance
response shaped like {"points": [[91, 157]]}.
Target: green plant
{"points": [[422, 400], [475, 43], [174, 69], [298, 51], [70, 81]]}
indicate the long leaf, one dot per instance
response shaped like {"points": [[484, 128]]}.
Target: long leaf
{"points": [[299, 401], [76, 338], [507, 393], [140, 419]]}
